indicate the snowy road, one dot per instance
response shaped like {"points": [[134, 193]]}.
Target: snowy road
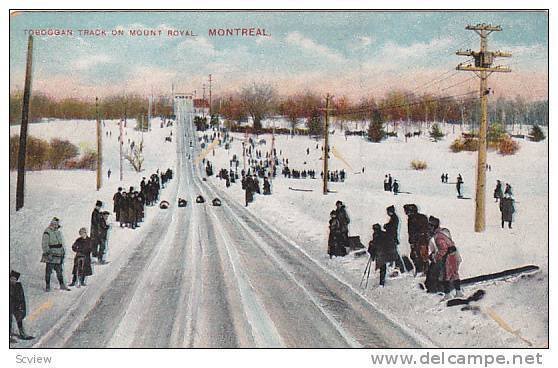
{"points": [[219, 277]]}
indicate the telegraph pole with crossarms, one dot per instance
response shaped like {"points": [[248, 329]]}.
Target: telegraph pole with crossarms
{"points": [[483, 69]]}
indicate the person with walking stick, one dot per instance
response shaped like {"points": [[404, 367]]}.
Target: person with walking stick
{"points": [[384, 249]]}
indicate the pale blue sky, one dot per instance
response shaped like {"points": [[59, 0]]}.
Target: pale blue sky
{"points": [[359, 53]]}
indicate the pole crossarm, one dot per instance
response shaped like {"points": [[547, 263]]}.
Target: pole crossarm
{"points": [[483, 27], [471, 68]]}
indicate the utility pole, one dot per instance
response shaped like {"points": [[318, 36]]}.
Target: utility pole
{"points": [[22, 153], [326, 142], [203, 99], [122, 136], [272, 155], [99, 145], [483, 69], [210, 96]]}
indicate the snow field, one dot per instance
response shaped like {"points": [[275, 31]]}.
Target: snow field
{"points": [[303, 217]]}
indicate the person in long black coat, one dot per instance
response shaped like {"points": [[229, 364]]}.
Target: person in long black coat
{"points": [[18, 306], [103, 237], [498, 192], [334, 246], [507, 209], [383, 250], [117, 198], [82, 260], [95, 229], [344, 220], [124, 210], [266, 187], [417, 227], [392, 226], [248, 189]]}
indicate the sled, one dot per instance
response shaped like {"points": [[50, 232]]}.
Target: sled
{"points": [[301, 190], [355, 243], [529, 269], [464, 198], [477, 295], [164, 205]]}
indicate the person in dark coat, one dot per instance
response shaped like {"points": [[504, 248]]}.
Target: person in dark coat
{"points": [[266, 186], [334, 247], [508, 190], [82, 260], [392, 226], [117, 198], [507, 209], [95, 229], [344, 220], [498, 193], [458, 185], [417, 227], [124, 210], [52, 245], [18, 306], [383, 250], [395, 187], [248, 189], [103, 237], [390, 182]]}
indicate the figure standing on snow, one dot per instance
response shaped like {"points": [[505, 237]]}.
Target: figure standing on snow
{"points": [[508, 190], [458, 186], [344, 220], [82, 260], [507, 209], [53, 253], [386, 184], [18, 306], [104, 227], [334, 246], [383, 250], [444, 272], [390, 182], [266, 186], [417, 226], [395, 187], [95, 229], [498, 194], [117, 199]]}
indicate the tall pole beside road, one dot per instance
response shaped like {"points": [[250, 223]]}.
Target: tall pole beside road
{"points": [[326, 143], [482, 68], [22, 154], [99, 146]]}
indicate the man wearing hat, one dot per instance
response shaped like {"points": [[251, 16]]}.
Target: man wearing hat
{"points": [[18, 308], [53, 253], [95, 230]]}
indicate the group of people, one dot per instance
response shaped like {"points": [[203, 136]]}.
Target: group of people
{"points": [[298, 174], [338, 231], [433, 252], [507, 203], [251, 185], [390, 184], [129, 207]]}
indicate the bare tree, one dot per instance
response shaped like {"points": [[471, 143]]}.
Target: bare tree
{"points": [[135, 156], [258, 101]]}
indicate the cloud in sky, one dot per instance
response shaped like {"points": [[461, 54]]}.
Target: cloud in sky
{"points": [[345, 53]]}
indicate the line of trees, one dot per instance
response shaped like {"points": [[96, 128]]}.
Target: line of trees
{"points": [[396, 107], [112, 107]]}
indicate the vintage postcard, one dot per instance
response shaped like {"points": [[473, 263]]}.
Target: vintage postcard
{"points": [[279, 179]]}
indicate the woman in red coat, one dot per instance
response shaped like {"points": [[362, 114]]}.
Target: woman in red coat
{"points": [[445, 254]]}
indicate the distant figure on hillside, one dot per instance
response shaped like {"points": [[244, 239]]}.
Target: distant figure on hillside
{"points": [[458, 186], [395, 187], [508, 190], [390, 182], [108, 173], [266, 186], [498, 194], [443, 177], [507, 209], [386, 184]]}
